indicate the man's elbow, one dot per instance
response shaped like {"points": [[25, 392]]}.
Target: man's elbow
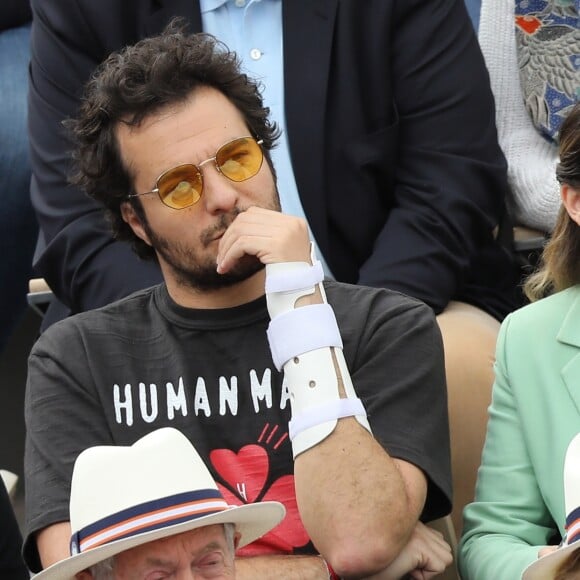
{"points": [[364, 556]]}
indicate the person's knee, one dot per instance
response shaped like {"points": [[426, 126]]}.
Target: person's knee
{"points": [[469, 337]]}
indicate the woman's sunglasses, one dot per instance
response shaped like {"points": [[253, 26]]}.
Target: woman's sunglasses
{"points": [[182, 186]]}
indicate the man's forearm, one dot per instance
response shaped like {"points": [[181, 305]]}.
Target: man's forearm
{"points": [[358, 505], [276, 567]]}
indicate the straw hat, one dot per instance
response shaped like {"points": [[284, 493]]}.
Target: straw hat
{"points": [[122, 497], [545, 568]]}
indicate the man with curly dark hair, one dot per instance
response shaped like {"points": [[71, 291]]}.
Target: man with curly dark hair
{"points": [[325, 396]]}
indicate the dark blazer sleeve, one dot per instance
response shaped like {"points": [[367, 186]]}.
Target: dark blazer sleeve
{"points": [[413, 177], [76, 254], [11, 563], [14, 13], [450, 175]]}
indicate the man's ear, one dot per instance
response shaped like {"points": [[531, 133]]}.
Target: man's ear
{"points": [[571, 201], [84, 575], [237, 537], [130, 216]]}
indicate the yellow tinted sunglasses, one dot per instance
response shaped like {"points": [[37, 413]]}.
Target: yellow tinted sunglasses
{"points": [[182, 186]]}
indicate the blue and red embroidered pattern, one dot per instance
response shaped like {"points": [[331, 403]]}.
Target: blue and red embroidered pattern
{"points": [[548, 44]]}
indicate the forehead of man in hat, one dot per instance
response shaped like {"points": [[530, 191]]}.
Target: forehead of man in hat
{"points": [[206, 552]]}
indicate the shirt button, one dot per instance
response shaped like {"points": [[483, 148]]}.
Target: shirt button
{"points": [[240, 3], [255, 54]]}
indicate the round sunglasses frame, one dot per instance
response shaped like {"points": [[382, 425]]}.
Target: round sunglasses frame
{"points": [[197, 167]]}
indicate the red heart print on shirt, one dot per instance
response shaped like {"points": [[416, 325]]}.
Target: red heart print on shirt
{"points": [[246, 474]]}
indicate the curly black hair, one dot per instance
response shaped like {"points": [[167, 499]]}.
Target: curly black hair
{"points": [[139, 81]]}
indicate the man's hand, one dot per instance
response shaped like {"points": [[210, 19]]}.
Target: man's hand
{"points": [[269, 235], [425, 555]]}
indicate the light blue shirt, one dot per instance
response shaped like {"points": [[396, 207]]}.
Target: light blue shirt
{"points": [[253, 29]]}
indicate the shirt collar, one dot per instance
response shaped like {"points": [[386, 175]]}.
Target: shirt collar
{"points": [[209, 5]]}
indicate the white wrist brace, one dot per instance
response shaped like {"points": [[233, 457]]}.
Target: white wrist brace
{"points": [[303, 341]]}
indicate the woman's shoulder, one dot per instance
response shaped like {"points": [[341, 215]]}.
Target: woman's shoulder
{"points": [[542, 320]]}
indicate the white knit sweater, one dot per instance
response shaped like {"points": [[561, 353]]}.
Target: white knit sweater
{"points": [[531, 158]]}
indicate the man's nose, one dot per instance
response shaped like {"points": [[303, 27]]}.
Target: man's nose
{"points": [[220, 194]]}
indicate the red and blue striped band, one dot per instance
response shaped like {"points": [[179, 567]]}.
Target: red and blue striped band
{"points": [[148, 516], [573, 526]]}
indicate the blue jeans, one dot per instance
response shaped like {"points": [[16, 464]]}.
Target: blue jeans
{"points": [[18, 229], [474, 8]]}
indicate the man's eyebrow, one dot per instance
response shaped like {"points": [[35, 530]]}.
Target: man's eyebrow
{"points": [[159, 561], [210, 547]]}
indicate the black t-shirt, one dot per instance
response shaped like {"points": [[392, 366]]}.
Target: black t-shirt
{"points": [[110, 376]]}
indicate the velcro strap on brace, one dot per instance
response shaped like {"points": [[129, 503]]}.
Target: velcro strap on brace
{"points": [[286, 282], [302, 330], [293, 276], [323, 413]]}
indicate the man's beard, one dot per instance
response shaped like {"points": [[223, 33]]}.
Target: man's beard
{"points": [[201, 273]]}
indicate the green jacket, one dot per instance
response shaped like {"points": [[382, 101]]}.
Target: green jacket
{"points": [[534, 414]]}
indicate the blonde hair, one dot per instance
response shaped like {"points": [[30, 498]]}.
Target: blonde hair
{"points": [[560, 263]]}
